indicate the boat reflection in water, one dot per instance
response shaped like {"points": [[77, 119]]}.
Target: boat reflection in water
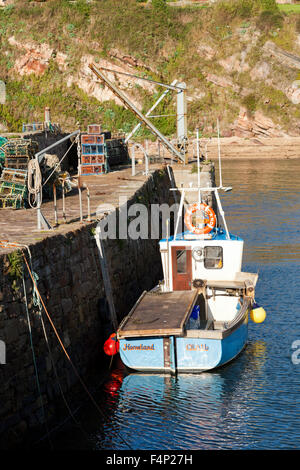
{"points": [[187, 411]]}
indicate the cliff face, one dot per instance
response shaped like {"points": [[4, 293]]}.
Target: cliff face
{"points": [[240, 66]]}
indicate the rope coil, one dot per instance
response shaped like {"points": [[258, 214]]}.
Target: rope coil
{"points": [[34, 182]]}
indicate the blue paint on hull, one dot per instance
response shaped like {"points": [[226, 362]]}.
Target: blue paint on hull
{"points": [[196, 354], [186, 354], [142, 353]]}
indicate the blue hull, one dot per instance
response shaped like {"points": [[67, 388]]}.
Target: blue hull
{"points": [[183, 354]]}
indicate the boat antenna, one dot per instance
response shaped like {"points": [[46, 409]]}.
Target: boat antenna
{"points": [[198, 166], [219, 154]]}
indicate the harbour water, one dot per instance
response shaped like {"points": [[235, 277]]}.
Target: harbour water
{"points": [[253, 402]]}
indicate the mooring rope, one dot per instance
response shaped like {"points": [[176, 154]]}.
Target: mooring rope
{"points": [[39, 302], [34, 182], [65, 351], [35, 364]]}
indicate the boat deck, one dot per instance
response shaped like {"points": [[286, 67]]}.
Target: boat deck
{"points": [[159, 314]]}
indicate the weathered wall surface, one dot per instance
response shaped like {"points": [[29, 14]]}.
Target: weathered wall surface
{"points": [[71, 285]]}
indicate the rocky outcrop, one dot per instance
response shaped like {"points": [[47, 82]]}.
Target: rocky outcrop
{"points": [[87, 81], [282, 56], [255, 126], [223, 82], [35, 58], [261, 71], [235, 63]]}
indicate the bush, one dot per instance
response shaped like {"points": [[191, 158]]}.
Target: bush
{"points": [[268, 20], [250, 102], [269, 5]]}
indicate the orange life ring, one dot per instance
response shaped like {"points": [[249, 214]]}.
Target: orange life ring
{"points": [[208, 211]]}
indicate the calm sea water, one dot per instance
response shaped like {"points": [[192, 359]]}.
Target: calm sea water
{"points": [[253, 402]]}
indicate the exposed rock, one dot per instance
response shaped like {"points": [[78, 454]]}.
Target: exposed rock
{"points": [[206, 51], [261, 71], [256, 125], [221, 81], [293, 92], [3, 128], [235, 63], [284, 57], [36, 57], [61, 60], [128, 59], [86, 80], [196, 95]]}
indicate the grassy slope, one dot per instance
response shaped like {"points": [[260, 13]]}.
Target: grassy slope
{"points": [[167, 40]]}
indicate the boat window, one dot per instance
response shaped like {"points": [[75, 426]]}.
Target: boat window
{"points": [[181, 261], [213, 257]]}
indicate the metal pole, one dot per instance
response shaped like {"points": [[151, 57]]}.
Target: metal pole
{"points": [[146, 164], [168, 257], [55, 205], [198, 167], [63, 198], [149, 112], [38, 156], [106, 278], [179, 213], [133, 161], [80, 203], [219, 153], [170, 87], [133, 108], [221, 212], [88, 202]]}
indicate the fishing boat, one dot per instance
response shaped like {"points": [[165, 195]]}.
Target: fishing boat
{"points": [[196, 319]]}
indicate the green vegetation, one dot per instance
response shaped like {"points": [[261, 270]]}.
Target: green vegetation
{"points": [[288, 8], [15, 269], [165, 41]]}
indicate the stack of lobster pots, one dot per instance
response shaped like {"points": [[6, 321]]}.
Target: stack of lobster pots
{"points": [[93, 152], [13, 180]]}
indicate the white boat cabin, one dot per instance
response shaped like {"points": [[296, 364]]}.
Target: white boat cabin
{"points": [[185, 259]]}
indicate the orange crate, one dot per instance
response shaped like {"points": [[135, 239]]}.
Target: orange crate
{"points": [[92, 169], [86, 159], [97, 159], [92, 139], [92, 159], [94, 129], [88, 139]]}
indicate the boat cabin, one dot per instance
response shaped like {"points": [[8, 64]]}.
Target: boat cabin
{"points": [[186, 259]]}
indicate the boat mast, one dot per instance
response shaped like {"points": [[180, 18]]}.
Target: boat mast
{"points": [[215, 189]]}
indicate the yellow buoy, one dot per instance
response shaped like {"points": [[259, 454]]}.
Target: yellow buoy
{"points": [[257, 314]]}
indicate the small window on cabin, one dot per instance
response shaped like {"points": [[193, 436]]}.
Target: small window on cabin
{"points": [[181, 261], [213, 257]]}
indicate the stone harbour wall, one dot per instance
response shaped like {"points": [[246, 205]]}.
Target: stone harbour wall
{"points": [[71, 285]]}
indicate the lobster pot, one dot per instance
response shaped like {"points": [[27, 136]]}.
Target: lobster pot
{"points": [[20, 163], [20, 148], [93, 152], [94, 129], [13, 188], [35, 126], [92, 139], [86, 170]]}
